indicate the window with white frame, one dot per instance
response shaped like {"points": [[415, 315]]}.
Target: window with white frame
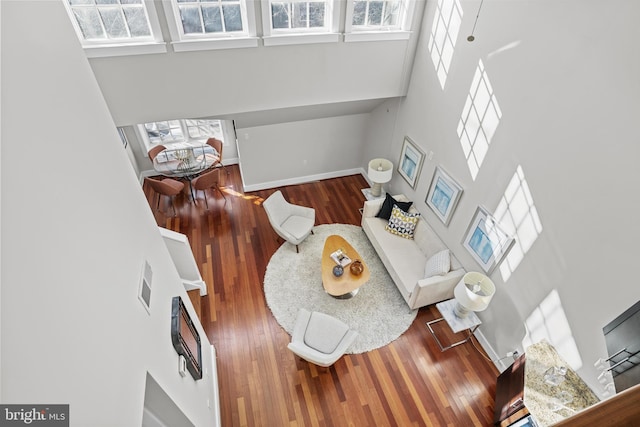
{"points": [[204, 128], [210, 17], [375, 16], [179, 133], [211, 24], [164, 132], [298, 15], [310, 21], [114, 23]]}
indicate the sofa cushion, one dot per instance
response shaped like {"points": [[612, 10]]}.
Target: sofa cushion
{"points": [[324, 332], [387, 206], [402, 223], [438, 265], [403, 261]]}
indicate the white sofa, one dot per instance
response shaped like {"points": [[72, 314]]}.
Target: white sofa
{"points": [[405, 259]]}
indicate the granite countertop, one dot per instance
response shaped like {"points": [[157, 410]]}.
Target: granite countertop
{"points": [[541, 398]]}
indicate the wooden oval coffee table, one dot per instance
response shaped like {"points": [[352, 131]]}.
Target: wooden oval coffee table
{"points": [[347, 285]]}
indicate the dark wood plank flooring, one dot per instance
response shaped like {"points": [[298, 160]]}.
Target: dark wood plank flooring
{"points": [[410, 382]]}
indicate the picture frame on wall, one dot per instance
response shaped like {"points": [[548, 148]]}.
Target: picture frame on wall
{"points": [[443, 195], [486, 241], [410, 163]]}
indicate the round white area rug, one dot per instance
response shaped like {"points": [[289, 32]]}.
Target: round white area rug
{"points": [[294, 280]]}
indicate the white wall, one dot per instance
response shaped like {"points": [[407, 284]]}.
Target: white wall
{"points": [[217, 83], [565, 77], [286, 153], [73, 330]]}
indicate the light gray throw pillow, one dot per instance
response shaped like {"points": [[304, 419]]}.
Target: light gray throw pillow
{"points": [[438, 265]]}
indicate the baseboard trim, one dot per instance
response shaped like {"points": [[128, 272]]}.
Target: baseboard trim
{"points": [[493, 355], [302, 179]]}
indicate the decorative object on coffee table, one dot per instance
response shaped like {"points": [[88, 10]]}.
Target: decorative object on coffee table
{"points": [[347, 284], [338, 270], [356, 267]]}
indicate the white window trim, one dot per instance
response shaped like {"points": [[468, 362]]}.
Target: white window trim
{"points": [[372, 36], [327, 34], [140, 46], [124, 49], [368, 34], [300, 38], [181, 42]]}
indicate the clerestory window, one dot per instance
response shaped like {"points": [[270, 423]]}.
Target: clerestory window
{"points": [[389, 18], [300, 21], [114, 24], [298, 15], [213, 24], [210, 17]]}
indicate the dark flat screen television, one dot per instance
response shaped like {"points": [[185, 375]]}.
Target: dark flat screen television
{"points": [[185, 338]]}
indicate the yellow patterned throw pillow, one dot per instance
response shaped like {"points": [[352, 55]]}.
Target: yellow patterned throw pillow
{"points": [[402, 223]]}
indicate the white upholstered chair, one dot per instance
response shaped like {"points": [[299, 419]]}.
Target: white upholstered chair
{"points": [[319, 338], [291, 222]]}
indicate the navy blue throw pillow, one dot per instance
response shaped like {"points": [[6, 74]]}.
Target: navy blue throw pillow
{"points": [[387, 207]]}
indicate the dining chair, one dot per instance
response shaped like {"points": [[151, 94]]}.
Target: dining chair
{"points": [[155, 151], [217, 145], [205, 181], [166, 187]]}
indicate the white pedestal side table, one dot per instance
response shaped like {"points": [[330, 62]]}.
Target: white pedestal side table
{"points": [[446, 309]]}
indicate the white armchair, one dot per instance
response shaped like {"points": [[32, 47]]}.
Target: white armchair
{"points": [[319, 338], [291, 222]]}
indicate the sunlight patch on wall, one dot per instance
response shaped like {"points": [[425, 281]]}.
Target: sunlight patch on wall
{"points": [[518, 216], [479, 121], [548, 321], [444, 34]]}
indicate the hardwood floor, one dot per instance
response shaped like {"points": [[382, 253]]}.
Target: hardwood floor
{"points": [[410, 382]]}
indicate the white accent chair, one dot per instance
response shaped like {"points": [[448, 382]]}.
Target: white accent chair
{"points": [[319, 338], [291, 222]]}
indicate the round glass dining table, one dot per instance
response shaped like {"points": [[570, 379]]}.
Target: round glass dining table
{"points": [[185, 162]]}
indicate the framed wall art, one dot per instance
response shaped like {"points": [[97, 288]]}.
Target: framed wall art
{"points": [[486, 241], [411, 158], [443, 195]]}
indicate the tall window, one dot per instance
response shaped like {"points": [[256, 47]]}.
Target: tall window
{"points": [[110, 20], [210, 17]]}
